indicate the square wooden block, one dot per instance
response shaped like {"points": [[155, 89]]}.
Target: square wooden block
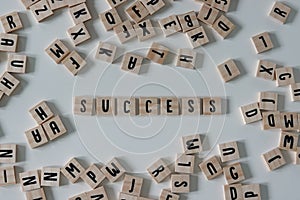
{"points": [[8, 153], [188, 21], [197, 37], [268, 101], [50, 176], [251, 192], [157, 53], [7, 176], [125, 31], [186, 58], [105, 106], [113, 170], [28, 3], [132, 185], [271, 120], [83, 105], [41, 10], [74, 63], [166, 194], [288, 141], [93, 176], [284, 76], [223, 26], [192, 144], [132, 63], [169, 106], [97, 193], [153, 6], [11, 22], [54, 128], [73, 170], [212, 106], [127, 106], [30, 180], [221, 5], [78, 34], [149, 106], [191, 106], [36, 194], [57, 4], [57, 50], [41, 112], [169, 25], [110, 19], [295, 91], [115, 3], [106, 52], [289, 121], [251, 113], [17, 63], [274, 159], [266, 70], [8, 83], [36, 137], [229, 151], [123, 196], [185, 164], [159, 171], [228, 70], [211, 167], [208, 14], [180, 183], [80, 13], [137, 11], [280, 12], [81, 196], [8, 42], [262, 42], [234, 173], [233, 191], [72, 3], [144, 30]]}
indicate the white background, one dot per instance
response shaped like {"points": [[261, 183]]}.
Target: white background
{"points": [[45, 80]]}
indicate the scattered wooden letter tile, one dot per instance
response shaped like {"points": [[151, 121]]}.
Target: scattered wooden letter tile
{"points": [[180, 183], [125, 31], [80, 13], [16, 63], [79, 34], [115, 3], [212, 105], [57, 51], [72, 170], [223, 26], [170, 25], [50, 176], [157, 53], [284, 76], [274, 159], [41, 112], [185, 164], [208, 14], [36, 194], [234, 173], [228, 70], [105, 106], [81, 196], [132, 185], [8, 153], [8, 83], [153, 6], [186, 58], [36, 137], [188, 21], [169, 106], [280, 12], [148, 106], [113, 170], [98, 193], [106, 52], [251, 192], [289, 121], [127, 106], [137, 11], [295, 91], [7, 176], [110, 19], [30, 180], [266, 70], [54, 128], [197, 37], [251, 113], [297, 159], [83, 105], [221, 5], [211, 168], [191, 106], [168, 195], [268, 101], [229, 151], [288, 141], [8, 42], [41, 10], [192, 144], [271, 120], [56, 4], [72, 3], [262, 42], [123, 196], [159, 171], [11, 22], [232, 192], [132, 63], [144, 30], [74, 62], [93, 176], [28, 3]]}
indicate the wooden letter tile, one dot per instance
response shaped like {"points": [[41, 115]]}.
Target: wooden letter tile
{"points": [[266, 70], [8, 42], [197, 37], [251, 113], [72, 170], [98, 193], [185, 164], [8, 153], [81, 196], [57, 51], [17, 63], [110, 19], [288, 141], [93, 176], [41, 10], [50, 176], [54, 128], [125, 31], [221, 5], [80, 13], [8, 83], [223, 26], [132, 63], [106, 52], [229, 151], [41, 112], [232, 192], [211, 168], [268, 101], [115, 3], [262, 42], [78, 34], [192, 144], [74, 62], [137, 11], [186, 58], [208, 14], [295, 91], [144, 30], [123, 196], [11, 22], [170, 25], [168, 195], [113, 170], [30, 180], [127, 106], [188, 21], [284, 76], [159, 171], [132, 185], [36, 137], [289, 121], [148, 106], [169, 106], [83, 105], [280, 12], [57, 4], [271, 120], [191, 106], [212, 106], [153, 5], [180, 183], [157, 53], [228, 70], [7, 176], [105, 106], [234, 173], [36, 194], [274, 159], [251, 192]]}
